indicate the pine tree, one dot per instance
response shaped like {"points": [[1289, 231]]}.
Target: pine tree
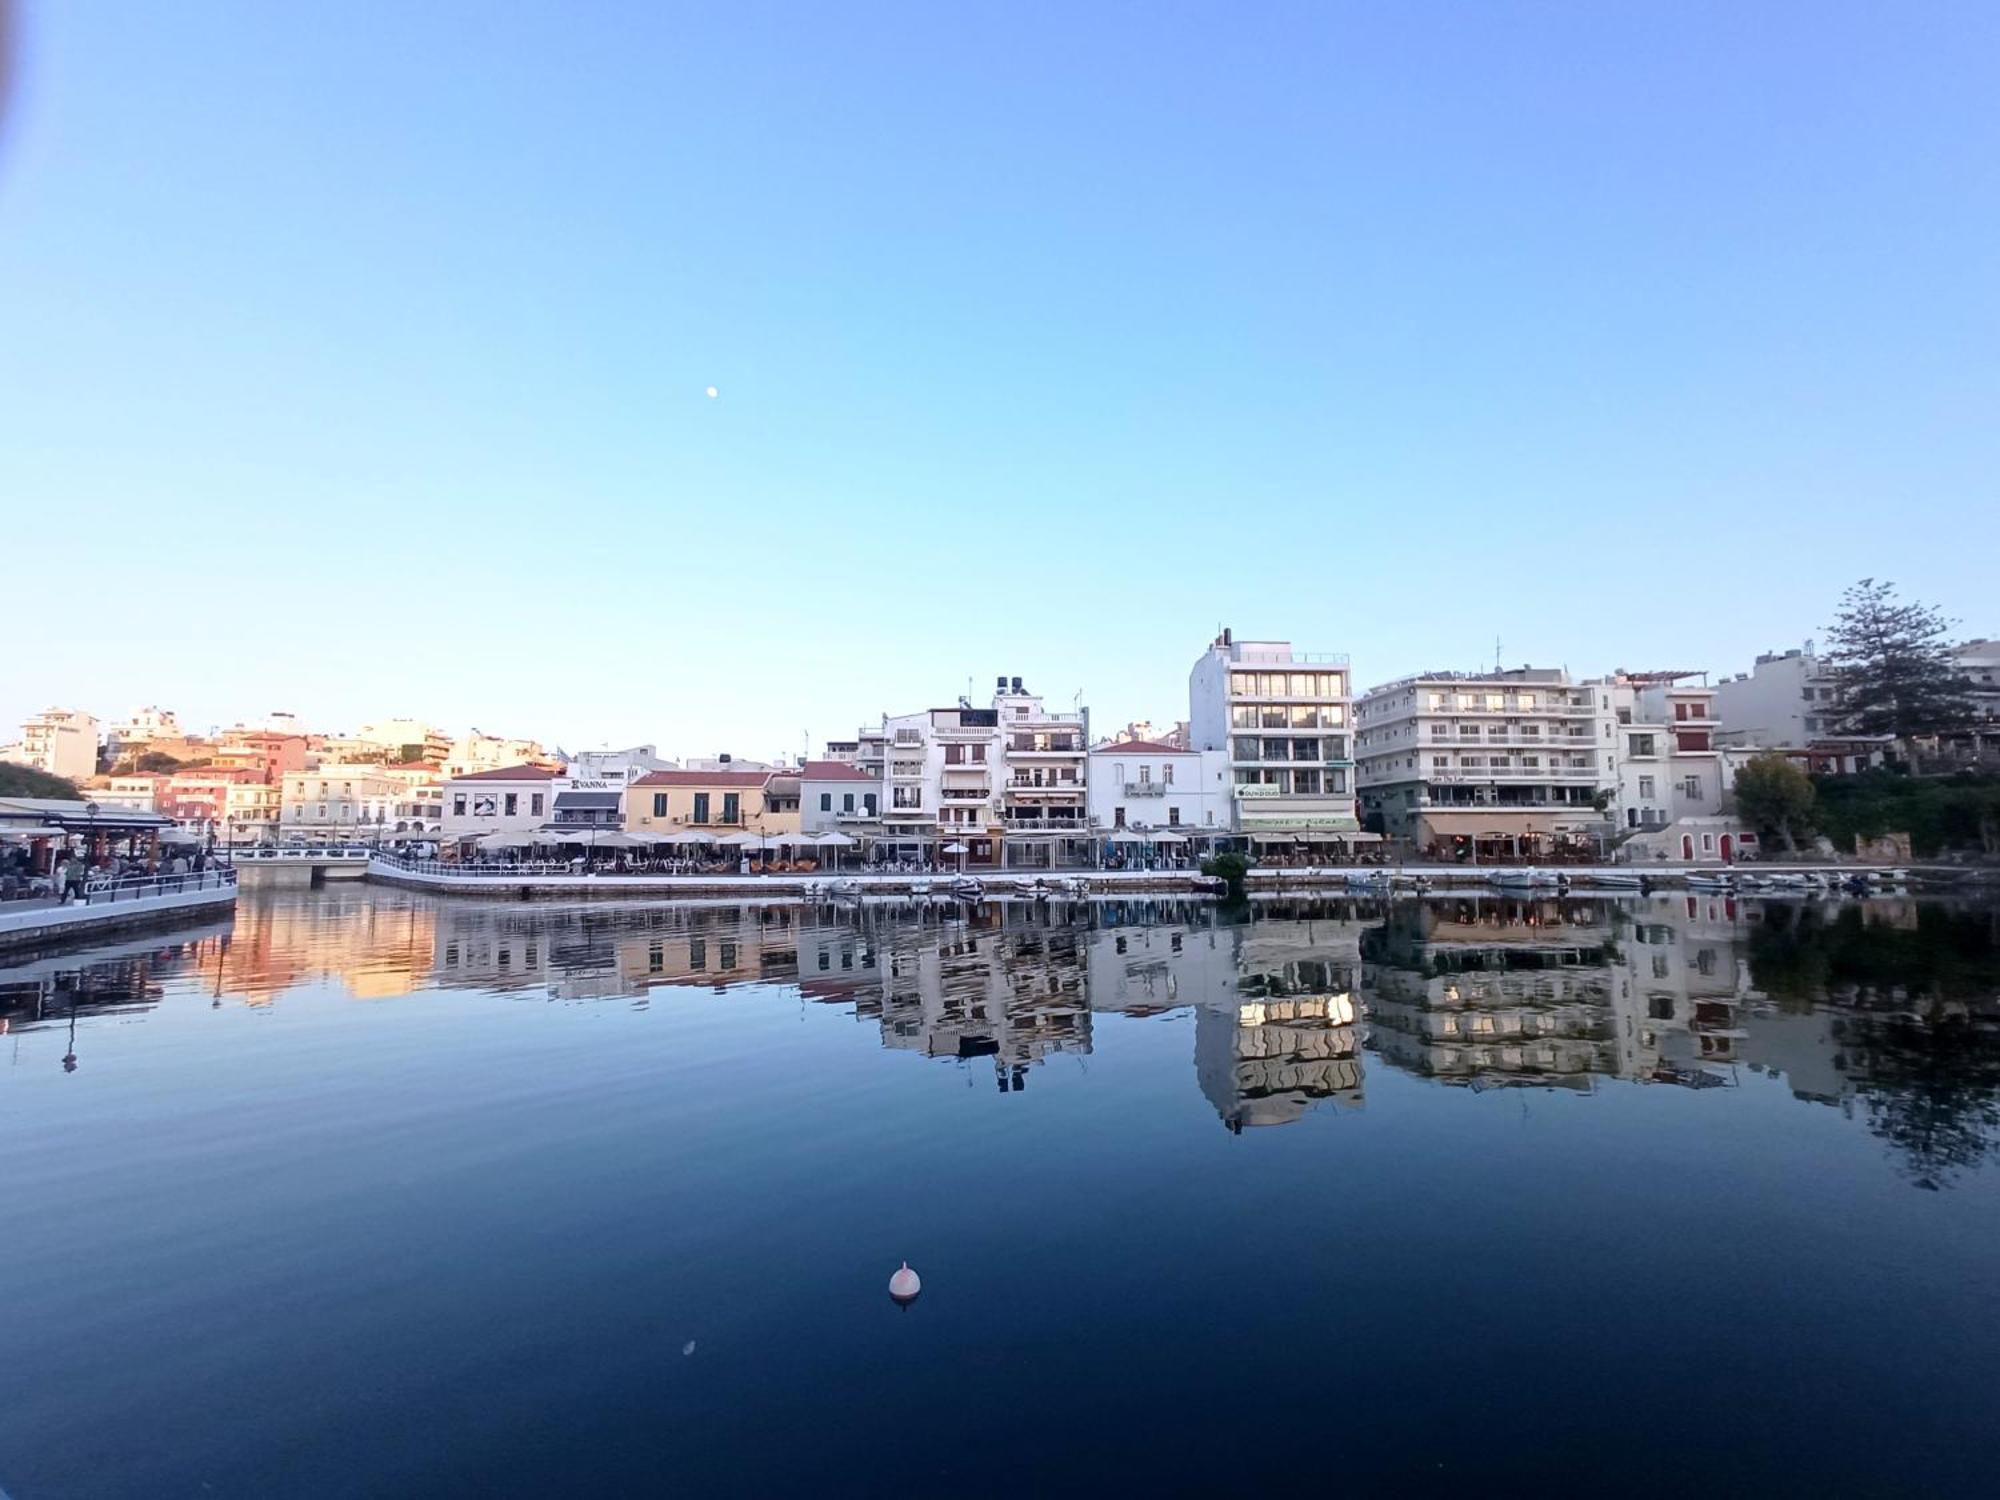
{"points": [[1893, 665]]}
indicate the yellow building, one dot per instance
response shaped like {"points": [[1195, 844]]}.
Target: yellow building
{"points": [[726, 801]]}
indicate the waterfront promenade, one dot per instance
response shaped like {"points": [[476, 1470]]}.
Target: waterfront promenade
{"points": [[559, 880], [115, 905]]}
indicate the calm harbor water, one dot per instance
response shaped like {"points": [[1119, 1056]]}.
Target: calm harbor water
{"points": [[368, 1194]]}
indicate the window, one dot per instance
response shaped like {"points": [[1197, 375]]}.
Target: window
{"points": [[954, 755], [535, 805], [1145, 776], [1646, 787], [732, 807], [826, 801], [846, 801], [868, 802], [659, 804], [1639, 744], [1440, 762], [1173, 817], [458, 806], [1167, 773], [513, 803], [701, 807], [1691, 789]]}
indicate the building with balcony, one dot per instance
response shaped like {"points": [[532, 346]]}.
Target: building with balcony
{"points": [[507, 799], [1492, 764], [1149, 785], [1283, 717], [400, 737], [1009, 781], [337, 802], [723, 801], [62, 742], [139, 792], [1672, 778], [837, 796]]}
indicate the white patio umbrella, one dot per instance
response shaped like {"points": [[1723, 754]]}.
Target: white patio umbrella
{"points": [[742, 841], [1124, 836], [686, 836], [1169, 838], [954, 849], [836, 841], [506, 840]]}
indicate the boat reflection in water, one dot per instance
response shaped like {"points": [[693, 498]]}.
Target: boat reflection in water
{"points": [[1892, 1007]]}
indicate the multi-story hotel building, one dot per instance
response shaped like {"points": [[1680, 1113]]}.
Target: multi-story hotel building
{"points": [[1283, 716], [1500, 762]]}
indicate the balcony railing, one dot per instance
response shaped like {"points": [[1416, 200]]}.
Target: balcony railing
{"points": [[1144, 789]]}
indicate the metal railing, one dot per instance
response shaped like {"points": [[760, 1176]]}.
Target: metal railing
{"points": [[102, 892]]}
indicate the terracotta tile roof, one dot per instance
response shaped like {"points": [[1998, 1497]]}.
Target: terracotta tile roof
{"points": [[511, 773], [1142, 747], [704, 778], [832, 770]]}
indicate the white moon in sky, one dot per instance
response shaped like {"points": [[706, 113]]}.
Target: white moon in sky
{"points": [[713, 393]]}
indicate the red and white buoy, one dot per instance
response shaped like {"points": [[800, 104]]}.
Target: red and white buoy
{"points": [[904, 1285]]}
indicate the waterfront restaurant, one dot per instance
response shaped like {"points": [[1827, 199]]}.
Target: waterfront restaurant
{"points": [[41, 827]]}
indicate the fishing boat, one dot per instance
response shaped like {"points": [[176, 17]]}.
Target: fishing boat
{"points": [[921, 889], [1210, 885], [1711, 880], [846, 888], [1037, 889], [965, 888]]}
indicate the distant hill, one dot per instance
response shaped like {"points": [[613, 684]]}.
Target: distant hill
{"points": [[26, 781]]}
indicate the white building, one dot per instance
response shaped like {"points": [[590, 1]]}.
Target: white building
{"points": [[61, 741], [1790, 701], [479, 751], [619, 767], [1979, 663], [141, 727], [420, 796], [1009, 782], [398, 736], [508, 799], [1284, 719], [1148, 785], [338, 801], [1673, 780], [838, 797], [1485, 763]]}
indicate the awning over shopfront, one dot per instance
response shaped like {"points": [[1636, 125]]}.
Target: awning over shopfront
{"points": [[1485, 824], [78, 817], [586, 802]]}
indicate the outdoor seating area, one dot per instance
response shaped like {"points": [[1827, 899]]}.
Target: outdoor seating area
{"points": [[56, 851]]}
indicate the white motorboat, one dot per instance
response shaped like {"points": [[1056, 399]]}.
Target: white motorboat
{"points": [[921, 889], [1528, 879], [1607, 880], [965, 888], [1710, 880]]}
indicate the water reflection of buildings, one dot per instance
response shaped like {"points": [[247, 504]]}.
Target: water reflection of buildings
{"points": [[1274, 1008], [1491, 992], [1893, 1011], [376, 944]]}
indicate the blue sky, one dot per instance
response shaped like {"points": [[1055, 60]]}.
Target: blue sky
{"points": [[363, 349]]}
